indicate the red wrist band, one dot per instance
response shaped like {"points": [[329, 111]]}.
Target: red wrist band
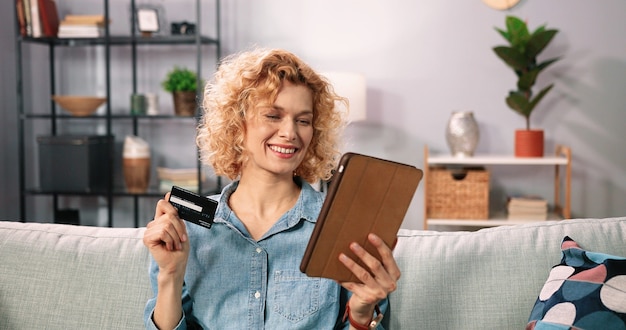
{"points": [[372, 324]]}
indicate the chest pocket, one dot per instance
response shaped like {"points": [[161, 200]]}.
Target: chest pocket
{"points": [[297, 295]]}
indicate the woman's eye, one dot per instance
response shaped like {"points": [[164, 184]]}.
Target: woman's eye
{"points": [[272, 117], [304, 122]]}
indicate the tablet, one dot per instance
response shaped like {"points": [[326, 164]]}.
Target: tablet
{"points": [[365, 195]]}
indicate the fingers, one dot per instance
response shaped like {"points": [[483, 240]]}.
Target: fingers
{"points": [[164, 206], [379, 276], [389, 262], [384, 268], [166, 229], [171, 235]]}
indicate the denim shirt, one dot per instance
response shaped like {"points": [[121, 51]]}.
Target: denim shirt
{"points": [[235, 282]]}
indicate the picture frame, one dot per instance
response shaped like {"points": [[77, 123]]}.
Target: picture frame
{"points": [[148, 20]]}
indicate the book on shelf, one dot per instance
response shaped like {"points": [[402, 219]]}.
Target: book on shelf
{"points": [[27, 17], [527, 201], [81, 26], [537, 216], [49, 18], [21, 17], [166, 185], [178, 174], [527, 208], [84, 20], [80, 31], [186, 178], [35, 20]]}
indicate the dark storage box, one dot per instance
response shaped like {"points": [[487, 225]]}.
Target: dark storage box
{"points": [[75, 163]]}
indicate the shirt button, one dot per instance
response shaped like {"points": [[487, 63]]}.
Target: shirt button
{"points": [[259, 250], [257, 295]]}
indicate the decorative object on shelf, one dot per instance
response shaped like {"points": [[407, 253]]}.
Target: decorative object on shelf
{"points": [[152, 104], [147, 21], [529, 143], [74, 163], [501, 4], [461, 193], [137, 104], [182, 83], [185, 103], [352, 86], [79, 106], [462, 134], [521, 56], [136, 167], [183, 28]]}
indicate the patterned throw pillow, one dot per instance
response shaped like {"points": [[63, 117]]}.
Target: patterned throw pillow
{"points": [[587, 290]]}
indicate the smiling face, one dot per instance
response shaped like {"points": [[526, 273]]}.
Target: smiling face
{"points": [[278, 134]]}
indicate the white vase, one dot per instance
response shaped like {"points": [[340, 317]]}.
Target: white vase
{"points": [[462, 134]]}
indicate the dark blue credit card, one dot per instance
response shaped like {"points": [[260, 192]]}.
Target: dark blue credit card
{"points": [[193, 207]]}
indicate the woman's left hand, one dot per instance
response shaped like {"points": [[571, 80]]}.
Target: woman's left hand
{"points": [[377, 282]]}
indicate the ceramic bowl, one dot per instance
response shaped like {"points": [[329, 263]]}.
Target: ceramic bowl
{"points": [[79, 105]]}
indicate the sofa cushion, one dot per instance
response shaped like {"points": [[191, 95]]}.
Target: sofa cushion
{"points": [[487, 279], [586, 290], [72, 277]]}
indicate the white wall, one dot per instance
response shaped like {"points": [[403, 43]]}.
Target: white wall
{"points": [[426, 59]]}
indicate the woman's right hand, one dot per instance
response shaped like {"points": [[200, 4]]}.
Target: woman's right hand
{"points": [[166, 239]]}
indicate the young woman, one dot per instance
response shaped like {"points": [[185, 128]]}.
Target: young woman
{"points": [[269, 124]]}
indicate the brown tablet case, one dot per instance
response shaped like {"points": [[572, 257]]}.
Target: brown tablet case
{"points": [[366, 195]]}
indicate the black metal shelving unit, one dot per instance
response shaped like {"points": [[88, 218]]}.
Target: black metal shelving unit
{"points": [[107, 41]]}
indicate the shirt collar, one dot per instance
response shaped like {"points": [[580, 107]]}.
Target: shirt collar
{"points": [[309, 203]]}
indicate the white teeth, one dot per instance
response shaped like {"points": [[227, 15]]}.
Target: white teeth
{"points": [[283, 150]]}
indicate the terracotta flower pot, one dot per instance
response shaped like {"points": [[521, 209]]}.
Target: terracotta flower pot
{"points": [[185, 103], [528, 143]]}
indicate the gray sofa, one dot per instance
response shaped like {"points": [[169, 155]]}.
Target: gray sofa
{"points": [[75, 277]]}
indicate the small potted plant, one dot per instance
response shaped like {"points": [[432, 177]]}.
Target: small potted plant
{"points": [[182, 83], [521, 56]]}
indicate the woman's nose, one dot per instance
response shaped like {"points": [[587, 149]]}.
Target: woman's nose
{"points": [[288, 129]]}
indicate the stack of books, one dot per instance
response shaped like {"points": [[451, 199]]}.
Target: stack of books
{"points": [[527, 208], [186, 178], [37, 18], [82, 26]]}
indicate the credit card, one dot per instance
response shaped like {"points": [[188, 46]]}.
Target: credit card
{"points": [[193, 207]]}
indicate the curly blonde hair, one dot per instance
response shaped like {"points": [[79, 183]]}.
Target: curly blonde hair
{"points": [[240, 83]]}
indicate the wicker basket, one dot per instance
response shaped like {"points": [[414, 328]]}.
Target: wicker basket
{"points": [[458, 193]]}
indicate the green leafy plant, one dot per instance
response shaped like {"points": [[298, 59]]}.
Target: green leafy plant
{"points": [[521, 56], [180, 80]]}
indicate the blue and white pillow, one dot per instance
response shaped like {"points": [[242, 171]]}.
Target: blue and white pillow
{"points": [[587, 290]]}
